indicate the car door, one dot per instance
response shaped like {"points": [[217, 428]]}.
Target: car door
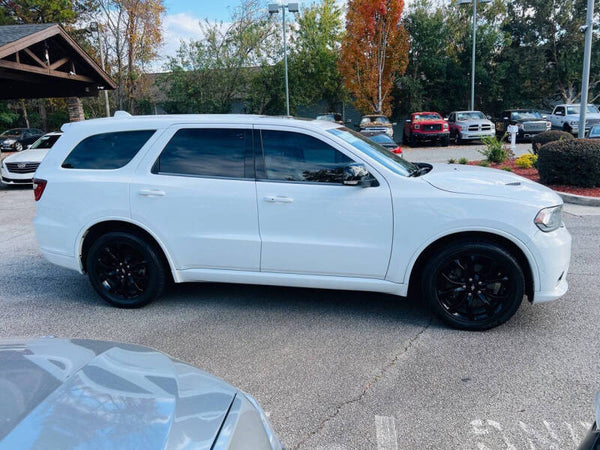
{"points": [[196, 192], [310, 222]]}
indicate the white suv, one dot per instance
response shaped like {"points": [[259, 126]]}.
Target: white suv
{"points": [[135, 201]]}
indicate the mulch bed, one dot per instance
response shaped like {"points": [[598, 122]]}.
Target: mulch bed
{"points": [[533, 175]]}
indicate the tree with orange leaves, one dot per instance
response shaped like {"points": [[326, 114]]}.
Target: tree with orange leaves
{"points": [[374, 50]]}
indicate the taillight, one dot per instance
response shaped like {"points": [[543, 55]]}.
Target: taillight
{"points": [[397, 150], [38, 188]]}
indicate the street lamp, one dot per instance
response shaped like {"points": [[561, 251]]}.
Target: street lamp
{"points": [[94, 27], [587, 56], [467, 2], [274, 9]]}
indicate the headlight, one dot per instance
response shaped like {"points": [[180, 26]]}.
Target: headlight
{"points": [[9, 141], [417, 127], [549, 219], [574, 122], [464, 127]]}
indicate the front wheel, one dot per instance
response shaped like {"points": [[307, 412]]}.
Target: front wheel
{"points": [[125, 270], [19, 147], [445, 141], [473, 285]]}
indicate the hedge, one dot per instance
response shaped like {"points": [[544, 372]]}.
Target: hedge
{"points": [[574, 162], [548, 136]]}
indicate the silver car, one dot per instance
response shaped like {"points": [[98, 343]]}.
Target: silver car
{"points": [[60, 393], [469, 126]]}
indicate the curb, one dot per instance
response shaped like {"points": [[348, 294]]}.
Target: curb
{"points": [[579, 199]]}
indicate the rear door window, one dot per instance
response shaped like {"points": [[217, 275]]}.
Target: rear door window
{"points": [[207, 152], [290, 156], [107, 150]]}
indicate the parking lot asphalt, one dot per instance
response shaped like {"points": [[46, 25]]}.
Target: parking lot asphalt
{"points": [[345, 370]]}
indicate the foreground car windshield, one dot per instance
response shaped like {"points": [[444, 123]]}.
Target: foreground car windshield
{"points": [[375, 151], [525, 115], [45, 141], [576, 109], [470, 115]]}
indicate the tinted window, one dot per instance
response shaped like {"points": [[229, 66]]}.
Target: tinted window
{"points": [[46, 141], [299, 157], [107, 150], [205, 152]]}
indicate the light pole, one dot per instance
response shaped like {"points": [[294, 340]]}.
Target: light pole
{"points": [[466, 2], [94, 27], [274, 9], [587, 55]]}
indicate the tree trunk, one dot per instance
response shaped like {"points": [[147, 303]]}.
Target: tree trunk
{"points": [[43, 114], [75, 109], [25, 115]]}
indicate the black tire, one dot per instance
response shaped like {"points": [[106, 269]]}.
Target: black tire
{"points": [[567, 128], [473, 285], [459, 141], [445, 141], [412, 141], [404, 139], [125, 270]]}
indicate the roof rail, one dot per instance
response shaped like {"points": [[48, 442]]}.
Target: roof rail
{"points": [[121, 114]]}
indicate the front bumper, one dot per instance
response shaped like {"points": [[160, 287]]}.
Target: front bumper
{"points": [[432, 136], [8, 177], [553, 256], [476, 135]]}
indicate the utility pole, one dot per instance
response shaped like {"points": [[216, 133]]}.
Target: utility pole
{"points": [[587, 55], [95, 27], [274, 9]]}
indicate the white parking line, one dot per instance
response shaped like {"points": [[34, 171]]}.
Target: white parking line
{"points": [[386, 433]]}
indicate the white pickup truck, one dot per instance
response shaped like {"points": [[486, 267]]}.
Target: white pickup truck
{"points": [[566, 118]]}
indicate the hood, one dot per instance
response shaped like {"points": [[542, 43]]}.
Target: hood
{"points": [[34, 155], [60, 393], [464, 179], [10, 136], [475, 122], [375, 125]]}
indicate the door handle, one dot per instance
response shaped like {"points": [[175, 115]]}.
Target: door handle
{"points": [[152, 193], [278, 199]]}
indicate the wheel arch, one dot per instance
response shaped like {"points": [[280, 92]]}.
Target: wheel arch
{"points": [[526, 263], [97, 229]]}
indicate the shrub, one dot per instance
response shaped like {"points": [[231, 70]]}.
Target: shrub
{"points": [[548, 136], [508, 169], [463, 161], [451, 161], [574, 162], [494, 151], [484, 163], [526, 161]]}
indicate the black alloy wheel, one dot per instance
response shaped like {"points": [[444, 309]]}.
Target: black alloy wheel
{"points": [[18, 147], [125, 270], [473, 285]]}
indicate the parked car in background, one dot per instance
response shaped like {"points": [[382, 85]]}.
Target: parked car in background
{"points": [[592, 440], [376, 124], [331, 117], [594, 132], [385, 141], [566, 118], [20, 167], [287, 202], [61, 393], [469, 126], [426, 126], [17, 139], [529, 121]]}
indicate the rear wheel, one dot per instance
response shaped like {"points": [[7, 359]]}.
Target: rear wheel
{"points": [[125, 270], [473, 285]]}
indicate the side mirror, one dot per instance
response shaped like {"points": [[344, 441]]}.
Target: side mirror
{"points": [[29, 146], [489, 117], [544, 117], [348, 120], [407, 120], [505, 118], [356, 174], [394, 124], [446, 119]]}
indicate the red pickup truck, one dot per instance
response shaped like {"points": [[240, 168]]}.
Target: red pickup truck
{"points": [[425, 126]]}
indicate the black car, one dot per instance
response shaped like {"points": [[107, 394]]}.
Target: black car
{"points": [[592, 440], [17, 139], [529, 121]]}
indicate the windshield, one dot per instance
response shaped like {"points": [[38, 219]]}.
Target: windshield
{"points": [[525, 115], [374, 119], [418, 117], [377, 152], [46, 141], [13, 132], [327, 117], [470, 115], [576, 109], [382, 139]]}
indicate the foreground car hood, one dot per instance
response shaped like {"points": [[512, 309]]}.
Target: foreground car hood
{"points": [[464, 179], [35, 155], [59, 393]]}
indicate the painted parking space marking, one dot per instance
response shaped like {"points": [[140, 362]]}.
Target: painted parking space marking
{"points": [[386, 433]]}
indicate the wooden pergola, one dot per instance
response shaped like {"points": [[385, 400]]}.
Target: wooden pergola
{"points": [[43, 61]]}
